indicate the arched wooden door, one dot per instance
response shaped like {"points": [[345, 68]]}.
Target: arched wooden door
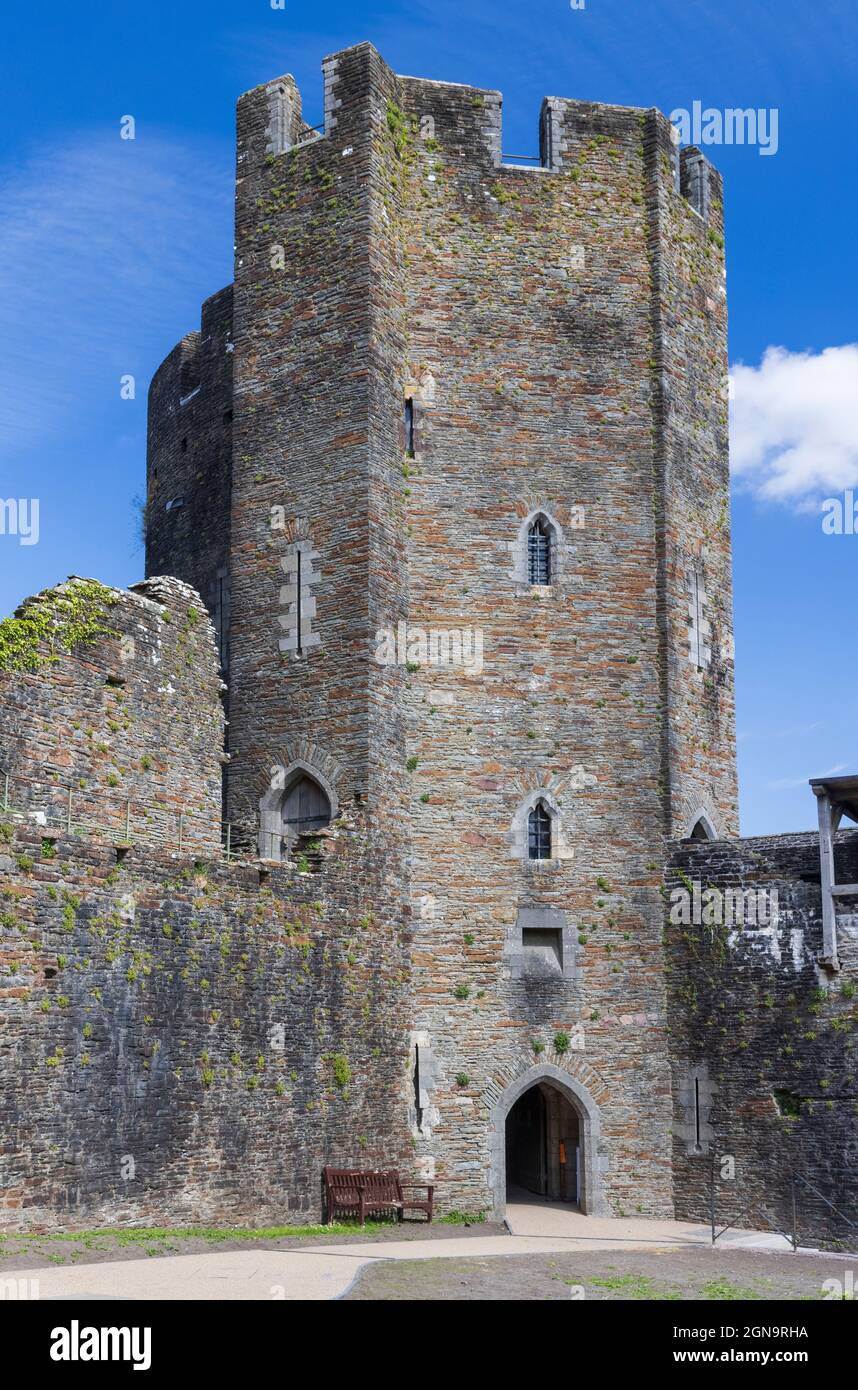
{"points": [[305, 808]]}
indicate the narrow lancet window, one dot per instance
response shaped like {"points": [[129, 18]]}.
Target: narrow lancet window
{"points": [[539, 833], [409, 428], [539, 553]]}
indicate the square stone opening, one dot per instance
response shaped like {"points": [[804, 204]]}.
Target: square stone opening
{"points": [[542, 950]]}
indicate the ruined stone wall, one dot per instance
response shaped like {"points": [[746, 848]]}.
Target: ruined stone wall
{"points": [[125, 730], [185, 1041], [763, 1042], [182, 1039], [189, 463]]}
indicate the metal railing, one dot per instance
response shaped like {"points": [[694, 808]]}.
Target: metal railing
{"points": [[753, 1209], [96, 814]]}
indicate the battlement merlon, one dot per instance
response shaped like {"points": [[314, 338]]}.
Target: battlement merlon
{"points": [[462, 121]]}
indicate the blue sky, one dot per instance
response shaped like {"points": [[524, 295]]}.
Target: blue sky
{"points": [[109, 246]]}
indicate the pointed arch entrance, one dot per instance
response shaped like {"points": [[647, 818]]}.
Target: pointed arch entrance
{"points": [[543, 1148], [298, 802], [545, 1140]]}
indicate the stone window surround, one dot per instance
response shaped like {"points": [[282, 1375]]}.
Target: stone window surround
{"points": [[695, 1095], [519, 550], [518, 833], [291, 599], [699, 627], [541, 918], [282, 780], [701, 814]]}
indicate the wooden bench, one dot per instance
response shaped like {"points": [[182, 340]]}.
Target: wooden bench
{"points": [[373, 1192]]}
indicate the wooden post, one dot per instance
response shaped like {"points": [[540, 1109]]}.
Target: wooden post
{"points": [[826, 868]]}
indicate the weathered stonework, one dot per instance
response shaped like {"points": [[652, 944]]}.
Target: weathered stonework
{"points": [[190, 463], [763, 1044], [424, 351], [182, 1040], [560, 332], [126, 735]]}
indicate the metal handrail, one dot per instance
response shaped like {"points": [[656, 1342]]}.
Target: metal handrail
{"points": [[822, 1197], [753, 1208], [126, 829]]}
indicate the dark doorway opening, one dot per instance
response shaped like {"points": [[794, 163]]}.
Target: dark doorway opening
{"points": [[543, 1149]]}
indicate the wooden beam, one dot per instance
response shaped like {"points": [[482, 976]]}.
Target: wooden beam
{"points": [[828, 955]]}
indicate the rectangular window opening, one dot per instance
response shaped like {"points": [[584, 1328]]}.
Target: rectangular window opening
{"points": [[409, 427], [417, 1106], [542, 950]]}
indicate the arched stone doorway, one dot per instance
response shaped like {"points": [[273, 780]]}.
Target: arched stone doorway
{"points": [[557, 1110], [543, 1149], [299, 801]]}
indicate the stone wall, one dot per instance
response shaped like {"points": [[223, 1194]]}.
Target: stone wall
{"points": [[542, 346], [318, 467], [763, 1042], [123, 732], [189, 463], [184, 1041], [181, 1038]]}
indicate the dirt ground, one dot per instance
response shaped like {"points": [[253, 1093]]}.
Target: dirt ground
{"points": [[96, 1247], [614, 1275], [698, 1275]]}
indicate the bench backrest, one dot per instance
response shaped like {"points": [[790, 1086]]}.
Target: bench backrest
{"points": [[378, 1183], [342, 1180], [383, 1186]]}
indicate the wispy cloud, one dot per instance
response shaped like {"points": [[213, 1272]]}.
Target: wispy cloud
{"points": [[790, 783], [794, 425], [104, 239], [794, 731]]}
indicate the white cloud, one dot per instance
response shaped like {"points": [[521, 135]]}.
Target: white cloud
{"points": [[788, 783], [794, 425], [105, 241]]}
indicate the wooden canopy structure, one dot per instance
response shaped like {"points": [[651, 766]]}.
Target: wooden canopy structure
{"points": [[836, 797]]}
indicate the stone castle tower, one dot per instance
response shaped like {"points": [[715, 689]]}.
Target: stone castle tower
{"points": [[448, 465]]}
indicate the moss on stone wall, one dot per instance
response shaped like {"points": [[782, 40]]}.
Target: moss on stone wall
{"points": [[69, 616]]}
